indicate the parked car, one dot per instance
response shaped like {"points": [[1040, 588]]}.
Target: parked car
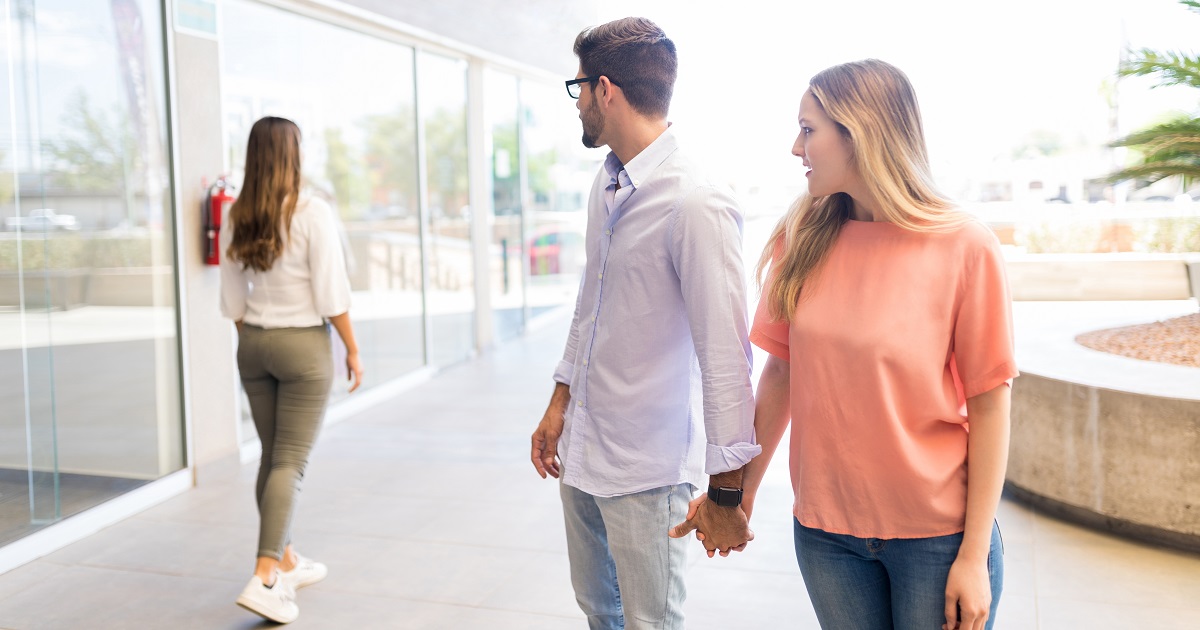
{"points": [[556, 250], [42, 220]]}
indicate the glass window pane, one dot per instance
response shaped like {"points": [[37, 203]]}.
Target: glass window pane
{"points": [[89, 369], [505, 250], [358, 122], [451, 294], [560, 174]]}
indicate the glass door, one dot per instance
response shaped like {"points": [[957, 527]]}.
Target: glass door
{"points": [[89, 363]]}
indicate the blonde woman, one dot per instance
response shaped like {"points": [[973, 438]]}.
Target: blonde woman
{"points": [[283, 276], [886, 314]]}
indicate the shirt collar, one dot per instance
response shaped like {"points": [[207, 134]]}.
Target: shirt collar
{"points": [[644, 163]]}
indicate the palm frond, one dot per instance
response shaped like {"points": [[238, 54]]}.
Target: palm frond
{"points": [[1194, 5], [1179, 127], [1156, 171], [1172, 67]]}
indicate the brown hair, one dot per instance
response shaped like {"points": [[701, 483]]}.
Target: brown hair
{"points": [[875, 109], [261, 217], [637, 55]]}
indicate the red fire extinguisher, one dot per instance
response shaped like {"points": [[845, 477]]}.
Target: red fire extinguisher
{"points": [[217, 199]]}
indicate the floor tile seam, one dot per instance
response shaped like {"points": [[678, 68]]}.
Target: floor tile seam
{"points": [[776, 572], [497, 502], [22, 589], [344, 491], [1137, 546], [447, 543], [328, 588], [120, 569], [1077, 600]]}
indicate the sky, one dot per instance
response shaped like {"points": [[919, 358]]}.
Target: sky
{"points": [[987, 74]]}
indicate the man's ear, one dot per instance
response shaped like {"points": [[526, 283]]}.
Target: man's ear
{"points": [[604, 91]]}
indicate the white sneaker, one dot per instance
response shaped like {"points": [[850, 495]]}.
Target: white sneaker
{"points": [[277, 603], [307, 571]]}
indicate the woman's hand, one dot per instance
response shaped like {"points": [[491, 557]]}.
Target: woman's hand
{"points": [[968, 594], [354, 370]]}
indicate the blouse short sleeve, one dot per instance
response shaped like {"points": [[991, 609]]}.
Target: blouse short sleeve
{"points": [[330, 282], [983, 329], [234, 286], [767, 333]]}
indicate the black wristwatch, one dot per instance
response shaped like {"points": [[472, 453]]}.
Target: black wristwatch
{"points": [[725, 497]]}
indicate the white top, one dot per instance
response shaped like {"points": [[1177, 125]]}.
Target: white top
{"points": [[307, 283]]}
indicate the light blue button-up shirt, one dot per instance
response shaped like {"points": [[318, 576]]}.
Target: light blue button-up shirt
{"points": [[658, 359]]}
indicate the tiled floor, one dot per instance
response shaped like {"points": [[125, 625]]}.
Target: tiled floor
{"points": [[430, 516]]}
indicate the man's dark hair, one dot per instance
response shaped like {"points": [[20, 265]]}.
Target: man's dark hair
{"points": [[635, 53]]}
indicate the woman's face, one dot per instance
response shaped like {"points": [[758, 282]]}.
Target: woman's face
{"points": [[824, 150]]}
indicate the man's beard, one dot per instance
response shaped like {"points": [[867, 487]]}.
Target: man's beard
{"points": [[593, 124]]}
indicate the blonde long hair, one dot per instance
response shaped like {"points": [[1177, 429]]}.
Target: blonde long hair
{"points": [[875, 108], [262, 214]]}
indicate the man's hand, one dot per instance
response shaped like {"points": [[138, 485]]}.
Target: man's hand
{"points": [[545, 438], [720, 529]]}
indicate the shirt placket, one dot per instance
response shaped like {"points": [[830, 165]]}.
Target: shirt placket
{"points": [[615, 204]]}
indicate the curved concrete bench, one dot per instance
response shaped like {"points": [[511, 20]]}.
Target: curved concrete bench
{"points": [[1101, 439]]}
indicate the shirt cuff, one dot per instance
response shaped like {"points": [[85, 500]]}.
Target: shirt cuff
{"points": [[719, 459], [564, 373]]}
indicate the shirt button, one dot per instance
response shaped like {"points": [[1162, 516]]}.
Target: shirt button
{"points": [[593, 318], [579, 403], [600, 276], [608, 232], [585, 362]]}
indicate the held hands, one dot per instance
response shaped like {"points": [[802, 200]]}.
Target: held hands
{"points": [[720, 529], [968, 595], [354, 370]]}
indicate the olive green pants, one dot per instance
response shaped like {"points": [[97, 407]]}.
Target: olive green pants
{"points": [[287, 373]]}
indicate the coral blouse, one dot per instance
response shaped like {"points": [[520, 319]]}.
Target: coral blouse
{"points": [[894, 332]]}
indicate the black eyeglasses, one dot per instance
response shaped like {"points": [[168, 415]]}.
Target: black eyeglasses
{"points": [[575, 89]]}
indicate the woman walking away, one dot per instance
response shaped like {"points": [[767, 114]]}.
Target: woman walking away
{"points": [[283, 282]]}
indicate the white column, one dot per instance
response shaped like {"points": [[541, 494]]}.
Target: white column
{"points": [[479, 177]]}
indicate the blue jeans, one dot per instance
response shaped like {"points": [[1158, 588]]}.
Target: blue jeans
{"points": [[876, 584], [626, 571]]}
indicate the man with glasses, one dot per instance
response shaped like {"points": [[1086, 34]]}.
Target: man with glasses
{"points": [[653, 390]]}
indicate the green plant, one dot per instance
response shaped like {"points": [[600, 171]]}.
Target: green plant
{"points": [[1171, 148], [67, 251], [1169, 236]]}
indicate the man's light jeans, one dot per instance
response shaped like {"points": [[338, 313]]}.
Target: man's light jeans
{"points": [[626, 571]]}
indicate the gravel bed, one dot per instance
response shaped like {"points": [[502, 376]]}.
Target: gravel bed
{"points": [[1174, 341]]}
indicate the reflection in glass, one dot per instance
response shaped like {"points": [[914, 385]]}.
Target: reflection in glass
{"points": [[450, 299], [560, 174], [360, 152], [89, 370], [506, 250]]}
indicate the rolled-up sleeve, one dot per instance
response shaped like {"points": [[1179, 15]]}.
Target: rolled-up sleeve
{"points": [[234, 286], [705, 242], [983, 330], [327, 263]]}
